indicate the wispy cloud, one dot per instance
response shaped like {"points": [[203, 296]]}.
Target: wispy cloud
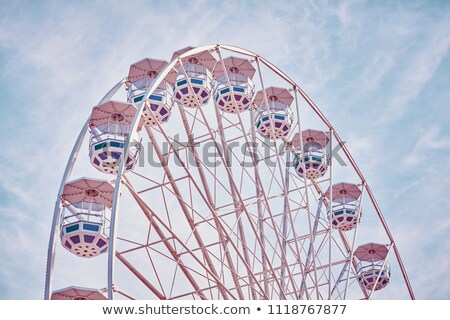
{"points": [[418, 69], [430, 140]]}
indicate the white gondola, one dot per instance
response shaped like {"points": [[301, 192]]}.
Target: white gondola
{"points": [[110, 125], [85, 216], [237, 95], [344, 210], [194, 90], [274, 116], [310, 159], [373, 271], [141, 76]]}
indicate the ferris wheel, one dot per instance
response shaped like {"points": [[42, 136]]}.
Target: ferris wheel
{"points": [[214, 176]]}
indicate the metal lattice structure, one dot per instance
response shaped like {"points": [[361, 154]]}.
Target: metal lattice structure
{"points": [[229, 191]]}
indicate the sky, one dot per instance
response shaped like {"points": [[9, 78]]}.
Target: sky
{"points": [[379, 71]]}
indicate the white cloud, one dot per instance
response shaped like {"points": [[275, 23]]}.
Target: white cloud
{"points": [[431, 139], [424, 59], [379, 66]]}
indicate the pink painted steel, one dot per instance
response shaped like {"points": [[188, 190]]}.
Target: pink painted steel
{"points": [[113, 112], [371, 251], [310, 135], [89, 190], [283, 95], [235, 65], [205, 58], [150, 68], [153, 218], [344, 190], [78, 293], [139, 275], [184, 208]]}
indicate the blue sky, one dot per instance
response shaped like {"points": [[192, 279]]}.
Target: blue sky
{"points": [[379, 70]]}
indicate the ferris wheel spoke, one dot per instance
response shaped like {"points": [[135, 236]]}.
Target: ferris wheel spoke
{"points": [[241, 125], [154, 268], [183, 206], [265, 204], [140, 276], [212, 204], [212, 211], [227, 169], [237, 205], [151, 217]]}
